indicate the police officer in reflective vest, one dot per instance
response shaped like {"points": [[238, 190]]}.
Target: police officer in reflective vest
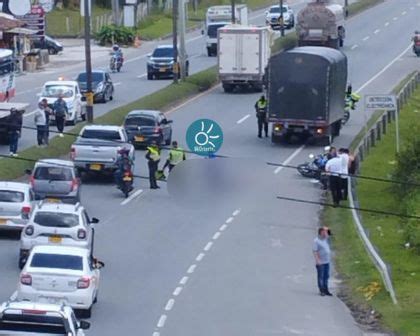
{"points": [[176, 155], [153, 158], [261, 109]]}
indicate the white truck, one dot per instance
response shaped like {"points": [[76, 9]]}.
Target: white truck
{"points": [[220, 16], [321, 23], [243, 54]]}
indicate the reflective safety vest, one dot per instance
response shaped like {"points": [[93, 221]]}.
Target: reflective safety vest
{"points": [[154, 153], [176, 155], [261, 104]]}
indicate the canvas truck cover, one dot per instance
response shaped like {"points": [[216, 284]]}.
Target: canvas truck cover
{"points": [[307, 84]]}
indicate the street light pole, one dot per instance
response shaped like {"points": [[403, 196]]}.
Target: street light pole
{"points": [[281, 18], [233, 11], [182, 50], [175, 39], [346, 7], [89, 93]]}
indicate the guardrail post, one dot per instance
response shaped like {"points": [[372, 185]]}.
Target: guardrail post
{"points": [[378, 131], [384, 123], [372, 137]]}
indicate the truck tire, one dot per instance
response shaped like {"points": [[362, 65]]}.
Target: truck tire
{"points": [[275, 139], [336, 127], [228, 88]]}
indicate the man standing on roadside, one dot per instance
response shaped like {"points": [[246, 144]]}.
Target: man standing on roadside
{"points": [[334, 168], [322, 253], [344, 155], [15, 129], [40, 122], [60, 111]]}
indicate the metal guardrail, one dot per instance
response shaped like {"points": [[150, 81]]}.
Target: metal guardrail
{"points": [[371, 137]]}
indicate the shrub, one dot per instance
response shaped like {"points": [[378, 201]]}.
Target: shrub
{"points": [[113, 34]]}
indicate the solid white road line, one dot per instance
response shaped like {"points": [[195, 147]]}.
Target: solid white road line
{"points": [[376, 31], [240, 121], [131, 197], [177, 291], [170, 304], [162, 321], [366, 38], [208, 246], [156, 333], [223, 227], [200, 257], [236, 212], [142, 75], [216, 236], [183, 281], [354, 47], [290, 158], [191, 269], [229, 220]]}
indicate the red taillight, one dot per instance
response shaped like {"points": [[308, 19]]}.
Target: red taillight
{"points": [[26, 210], [72, 153], [81, 234], [74, 184], [83, 283], [158, 130], [34, 312], [29, 230], [26, 279]]}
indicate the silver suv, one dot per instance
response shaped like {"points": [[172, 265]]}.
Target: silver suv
{"points": [[57, 224], [55, 179]]}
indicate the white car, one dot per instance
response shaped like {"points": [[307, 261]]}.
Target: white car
{"points": [[31, 318], [71, 94], [16, 204], [272, 17], [57, 274], [57, 224]]}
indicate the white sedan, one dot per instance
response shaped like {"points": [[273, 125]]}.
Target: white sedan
{"points": [[55, 274]]}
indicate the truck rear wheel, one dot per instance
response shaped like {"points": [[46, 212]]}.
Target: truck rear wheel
{"points": [[275, 138], [228, 88]]}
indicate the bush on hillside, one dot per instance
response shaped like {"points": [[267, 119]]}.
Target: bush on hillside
{"points": [[113, 34]]}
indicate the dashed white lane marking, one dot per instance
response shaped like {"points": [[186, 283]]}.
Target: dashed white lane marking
{"points": [[240, 121], [216, 235], [183, 281], [395, 18], [289, 159], [117, 84], [386, 24], [170, 304], [200, 257], [131, 197], [208, 246], [236, 212], [177, 291], [156, 333], [229, 220], [376, 31], [223, 227], [162, 321], [191, 269], [354, 47], [366, 38], [142, 75], [403, 13]]}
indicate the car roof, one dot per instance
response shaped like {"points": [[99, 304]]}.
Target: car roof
{"points": [[59, 207], [54, 162], [14, 186], [102, 127], [38, 306], [54, 249], [95, 71], [164, 46], [63, 82], [144, 113]]}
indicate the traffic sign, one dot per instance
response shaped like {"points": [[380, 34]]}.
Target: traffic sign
{"points": [[381, 102], [35, 20]]}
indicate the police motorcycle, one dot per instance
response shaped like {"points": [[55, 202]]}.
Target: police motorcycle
{"points": [[315, 167], [350, 101], [124, 176]]}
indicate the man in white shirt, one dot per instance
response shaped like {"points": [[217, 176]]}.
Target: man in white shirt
{"points": [[343, 153], [334, 168]]}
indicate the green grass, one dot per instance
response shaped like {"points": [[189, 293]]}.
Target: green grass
{"points": [[386, 233], [56, 21], [11, 168]]}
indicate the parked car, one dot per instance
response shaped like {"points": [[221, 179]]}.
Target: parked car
{"points": [[102, 87], [56, 180], [272, 17], [57, 224], [72, 96], [96, 149], [33, 318], [53, 46], [16, 204], [161, 62], [145, 126], [56, 274]]}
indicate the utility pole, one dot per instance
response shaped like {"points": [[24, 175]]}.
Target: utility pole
{"points": [[346, 7], [116, 12], [182, 51], [233, 11], [89, 93], [175, 39], [281, 19]]}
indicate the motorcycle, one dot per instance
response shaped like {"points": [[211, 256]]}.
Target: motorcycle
{"points": [[350, 104], [116, 63], [315, 168], [126, 183]]}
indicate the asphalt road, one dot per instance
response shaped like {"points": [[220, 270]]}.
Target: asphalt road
{"points": [[229, 259]]}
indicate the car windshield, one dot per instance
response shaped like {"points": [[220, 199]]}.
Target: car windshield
{"points": [[34, 323], [53, 174], [8, 196], [96, 77], [140, 121], [163, 52], [277, 9], [54, 91], [212, 30], [101, 134], [56, 219], [63, 261]]}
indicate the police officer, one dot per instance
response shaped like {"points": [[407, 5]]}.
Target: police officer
{"points": [[261, 109], [176, 155], [153, 158]]}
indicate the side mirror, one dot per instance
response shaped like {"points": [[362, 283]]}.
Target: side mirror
{"points": [[28, 171], [94, 220], [84, 325]]}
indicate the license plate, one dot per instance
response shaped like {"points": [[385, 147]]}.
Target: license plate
{"points": [[162, 69], [55, 239], [95, 167], [139, 138], [126, 178], [3, 221]]}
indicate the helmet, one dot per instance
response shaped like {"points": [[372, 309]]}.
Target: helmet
{"points": [[115, 47]]}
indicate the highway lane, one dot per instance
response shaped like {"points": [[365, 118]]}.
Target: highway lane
{"points": [[162, 241]]}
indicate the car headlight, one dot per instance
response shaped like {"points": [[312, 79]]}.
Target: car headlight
{"points": [[99, 88]]}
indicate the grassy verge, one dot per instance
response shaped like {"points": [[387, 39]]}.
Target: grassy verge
{"points": [[386, 233], [58, 18], [12, 168]]}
